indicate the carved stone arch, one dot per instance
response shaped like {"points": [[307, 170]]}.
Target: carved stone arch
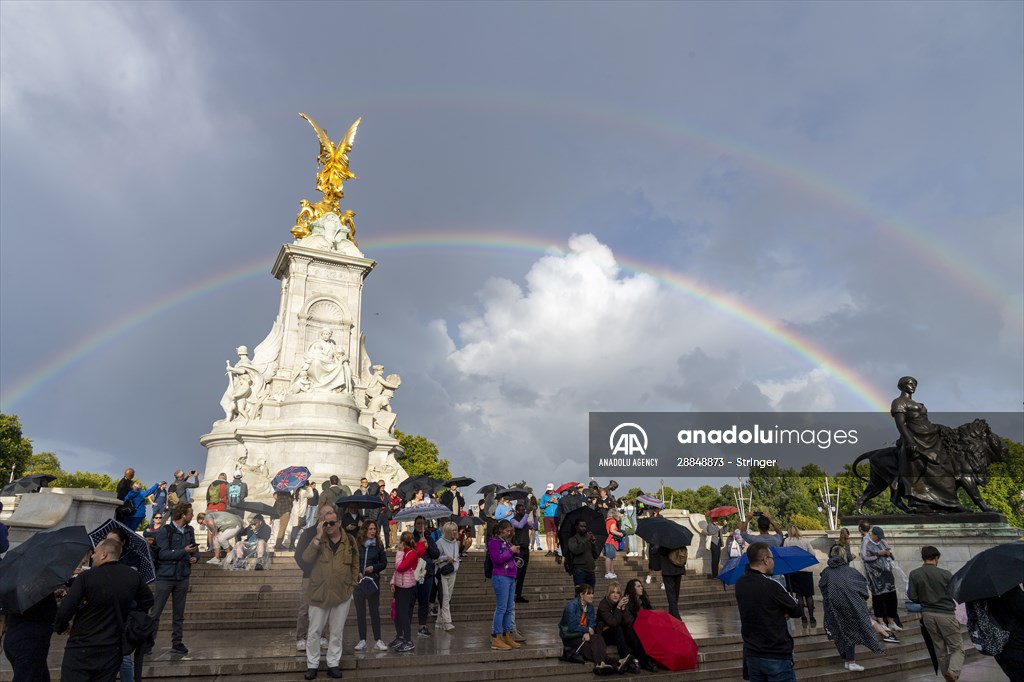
{"points": [[326, 313]]}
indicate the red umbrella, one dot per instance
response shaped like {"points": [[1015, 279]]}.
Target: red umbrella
{"points": [[666, 639], [565, 486], [722, 511]]}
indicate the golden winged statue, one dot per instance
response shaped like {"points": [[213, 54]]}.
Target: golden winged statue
{"points": [[332, 172]]}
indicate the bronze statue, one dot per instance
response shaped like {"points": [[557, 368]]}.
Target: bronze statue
{"points": [[930, 461]]}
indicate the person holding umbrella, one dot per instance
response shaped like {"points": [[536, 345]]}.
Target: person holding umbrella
{"points": [[454, 500], [929, 587], [764, 605], [583, 551]]}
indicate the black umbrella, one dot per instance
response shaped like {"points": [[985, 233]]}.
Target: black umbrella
{"points": [[136, 554], [663, 532], [512, 493], [459, 481], [989, 574], [466, 521], [39, 565], [408, 487], [28, 484], [490, 488], [257, 508], [360, 501], [595, 524]]}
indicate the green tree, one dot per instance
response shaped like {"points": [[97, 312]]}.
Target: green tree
{"points": [[782, 493], [1004, 491], [43, 463], [47, 463], [520, 484], [15, 449], [421, 456]]}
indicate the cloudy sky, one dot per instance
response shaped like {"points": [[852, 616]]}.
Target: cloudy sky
{"points": [[574, 207]]}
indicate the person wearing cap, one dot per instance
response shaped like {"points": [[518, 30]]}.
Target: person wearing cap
{"points": [[237, 492], [878, 569], [549, 510], [929, 587], [254, 539]]}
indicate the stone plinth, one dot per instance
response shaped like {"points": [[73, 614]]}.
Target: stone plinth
{"points": [[53, 508], [957, 536]]}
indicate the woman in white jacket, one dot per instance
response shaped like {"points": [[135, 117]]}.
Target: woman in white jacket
{"points": [[447, 568]]}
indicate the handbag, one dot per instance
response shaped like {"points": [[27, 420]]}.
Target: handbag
{"points": [[447, 569], [367, 586]]}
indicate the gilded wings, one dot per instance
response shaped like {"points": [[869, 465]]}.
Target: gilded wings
{"points": [[333, 160]]}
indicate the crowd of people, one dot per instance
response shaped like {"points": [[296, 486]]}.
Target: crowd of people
{"points": [[341, 540]]}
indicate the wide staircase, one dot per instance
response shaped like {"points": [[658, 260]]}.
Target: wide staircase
{"points": [[241, 625]]}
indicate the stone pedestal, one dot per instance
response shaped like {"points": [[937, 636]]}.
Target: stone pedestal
{"points": [[957, 536], [53, 508]]}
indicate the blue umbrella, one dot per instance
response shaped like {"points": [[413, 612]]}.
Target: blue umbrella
{"points": [[787, 560], [290, 479]]}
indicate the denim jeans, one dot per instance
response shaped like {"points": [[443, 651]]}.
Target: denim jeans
{"points": [[504, 603], [770, 669], [581, 577]]}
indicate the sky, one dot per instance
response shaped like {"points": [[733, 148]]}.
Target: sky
{"points": [[573, 207]]}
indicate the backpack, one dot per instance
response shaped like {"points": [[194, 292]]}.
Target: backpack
{"points": [[213, 495], [488, 566], [678, 556], [628, 525], [234, 493], [126, 510]]}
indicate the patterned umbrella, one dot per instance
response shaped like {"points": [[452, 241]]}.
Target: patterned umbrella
{"points": [[136, 554], [429, 511], [290, 479], [651, 501]]}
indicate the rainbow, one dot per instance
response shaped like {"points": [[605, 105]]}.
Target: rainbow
{"points": [[859, 387], [632, 124]]}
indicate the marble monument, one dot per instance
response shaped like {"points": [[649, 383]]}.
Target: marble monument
{"points": [[310, 394]]}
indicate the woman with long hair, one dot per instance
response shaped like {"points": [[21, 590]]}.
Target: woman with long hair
{"points": [[801, 583], [403, 586], [372, 562], [503, 555], [844, 544], [447, 567], [636, 593], [614, 617], [578, 630], [844, 592]]}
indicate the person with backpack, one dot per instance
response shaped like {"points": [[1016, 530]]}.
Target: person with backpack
{"points": [[136, 501], [237, 492], [581, 552], [673, 568], [217, 494]]}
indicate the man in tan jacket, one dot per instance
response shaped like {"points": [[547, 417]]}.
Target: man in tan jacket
{"points": [[334, 558]]}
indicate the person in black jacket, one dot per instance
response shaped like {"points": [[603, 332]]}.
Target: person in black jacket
{"points": [[176, 551], [454, 500], [423, 589], [372, 562], [764, 605], [124, 486], [99, 600]]}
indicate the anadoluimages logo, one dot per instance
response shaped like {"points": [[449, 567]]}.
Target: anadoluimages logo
{"points": [[628, 439]]}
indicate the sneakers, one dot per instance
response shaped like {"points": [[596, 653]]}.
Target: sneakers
{"points": [[647, 580], [395, 643], [433, 612], [890, 639], [663, 586], [518, 636], [214, 561], [334, 672], [380, 645], [423, 631], [498, 643], [300, 645], [624, 664], [610, 576], [405, 647], [895, 627], [603, 668], [361, 646], [179, 648], [310, 674], [853, 667], [448, 627]]}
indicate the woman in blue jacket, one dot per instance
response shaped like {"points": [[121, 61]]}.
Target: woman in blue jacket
{"points": [[577, 630], [137, 498]]}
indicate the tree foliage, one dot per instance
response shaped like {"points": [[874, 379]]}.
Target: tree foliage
{"points": [[47, 463], [421, 456], [15, 449]]}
